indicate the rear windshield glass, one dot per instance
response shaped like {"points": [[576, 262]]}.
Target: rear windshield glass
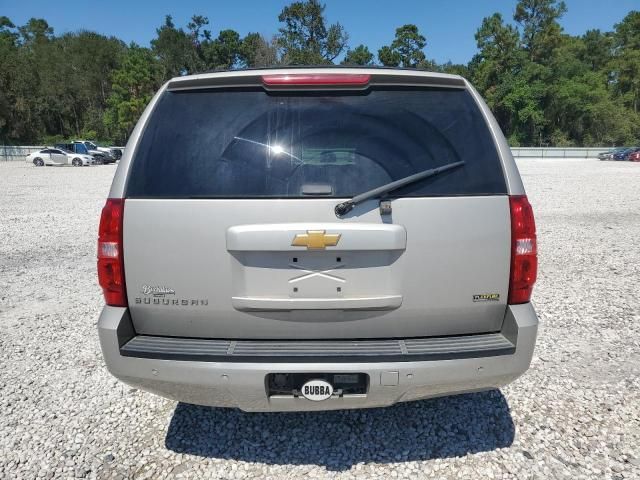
{"points": [[250, 143]]}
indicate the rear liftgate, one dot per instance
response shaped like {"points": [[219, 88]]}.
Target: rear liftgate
{"points": [[211, 268]]}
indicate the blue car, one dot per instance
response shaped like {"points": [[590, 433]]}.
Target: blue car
{"points": [[624, 154]]}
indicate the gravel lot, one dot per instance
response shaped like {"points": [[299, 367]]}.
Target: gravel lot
{"points": [[575, 414]]}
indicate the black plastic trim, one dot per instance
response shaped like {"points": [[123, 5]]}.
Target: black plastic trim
{"points": [[324, 351]]}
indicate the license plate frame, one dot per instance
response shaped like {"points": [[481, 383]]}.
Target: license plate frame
{"points": [[290, 384]]}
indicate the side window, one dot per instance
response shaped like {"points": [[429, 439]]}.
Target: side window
{"points": [[57, 151], [46, 150], [80, 148]]}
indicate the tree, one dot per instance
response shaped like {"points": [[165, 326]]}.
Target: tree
{"points": [[597, 49], [626, 61], [257, 51], [224, 52], [30, 52], [199, 35], [358, 56], [11, 125], [134, 83], [80, 80], [195, 50], [197, 23], [519, 104], [36, 31], [7, 28], [542, 85], [389, 57], [454, 69], [627, 32], [494, 70], [406, 48], [541, 31], [305, 39], [498, 44], [409, 44], [176, 50]]}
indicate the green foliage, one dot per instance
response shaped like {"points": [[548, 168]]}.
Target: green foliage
{"points": [[539, 21], [544, 87], [597, 49], [224, 51], [454, 69], [626, 60], [174, 49], [256, 51], [305, 38], [133, 85], [389, 57], [358, 56], [499, 50], [549, 88], [405, 50], [249, 48]]}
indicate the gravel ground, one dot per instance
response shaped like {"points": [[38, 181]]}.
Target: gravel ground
{"points": [[575, 414]]}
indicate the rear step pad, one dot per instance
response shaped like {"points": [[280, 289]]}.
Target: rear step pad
{"points": [[403, 350]]}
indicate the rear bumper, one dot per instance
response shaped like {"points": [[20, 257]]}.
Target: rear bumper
{"points": [[240, 382]]}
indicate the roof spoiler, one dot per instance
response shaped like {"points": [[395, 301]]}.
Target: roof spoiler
{"points": [[255, 78]]}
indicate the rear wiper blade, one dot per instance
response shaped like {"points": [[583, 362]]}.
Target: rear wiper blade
{"points": [[346, 206]]}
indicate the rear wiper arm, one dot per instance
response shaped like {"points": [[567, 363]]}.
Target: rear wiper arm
{"points": [[346, 206]]}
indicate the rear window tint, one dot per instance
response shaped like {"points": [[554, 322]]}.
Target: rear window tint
{"points": [[254, 144]]}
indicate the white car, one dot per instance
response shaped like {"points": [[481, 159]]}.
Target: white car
{"points": [[56, 156]]}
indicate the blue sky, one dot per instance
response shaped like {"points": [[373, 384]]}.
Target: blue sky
{"points": [[448, 25]]}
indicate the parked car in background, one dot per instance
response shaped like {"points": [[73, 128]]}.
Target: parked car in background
{"points": [[78, 148], [624, 154], [82, 149], [111, 154], [59, 157], [117, 152], [609, 154], [634, 156]]}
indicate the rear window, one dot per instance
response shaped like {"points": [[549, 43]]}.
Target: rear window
{"points": [[254, 144]]}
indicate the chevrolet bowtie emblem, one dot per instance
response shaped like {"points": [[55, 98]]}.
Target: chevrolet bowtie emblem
{"points": [[316, 239]]}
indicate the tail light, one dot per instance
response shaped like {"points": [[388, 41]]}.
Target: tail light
{"points": [[329, 79], [110, 257], [524, 250]]}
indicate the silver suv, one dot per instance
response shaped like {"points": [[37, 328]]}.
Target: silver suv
{"points": [[311, 239]]}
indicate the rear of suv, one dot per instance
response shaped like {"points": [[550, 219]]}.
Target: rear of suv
{"points": [[317, 238]]}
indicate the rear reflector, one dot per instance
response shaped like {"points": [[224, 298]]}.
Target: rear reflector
{"points": [[326, 79], [110, 257], [524, 250]]}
